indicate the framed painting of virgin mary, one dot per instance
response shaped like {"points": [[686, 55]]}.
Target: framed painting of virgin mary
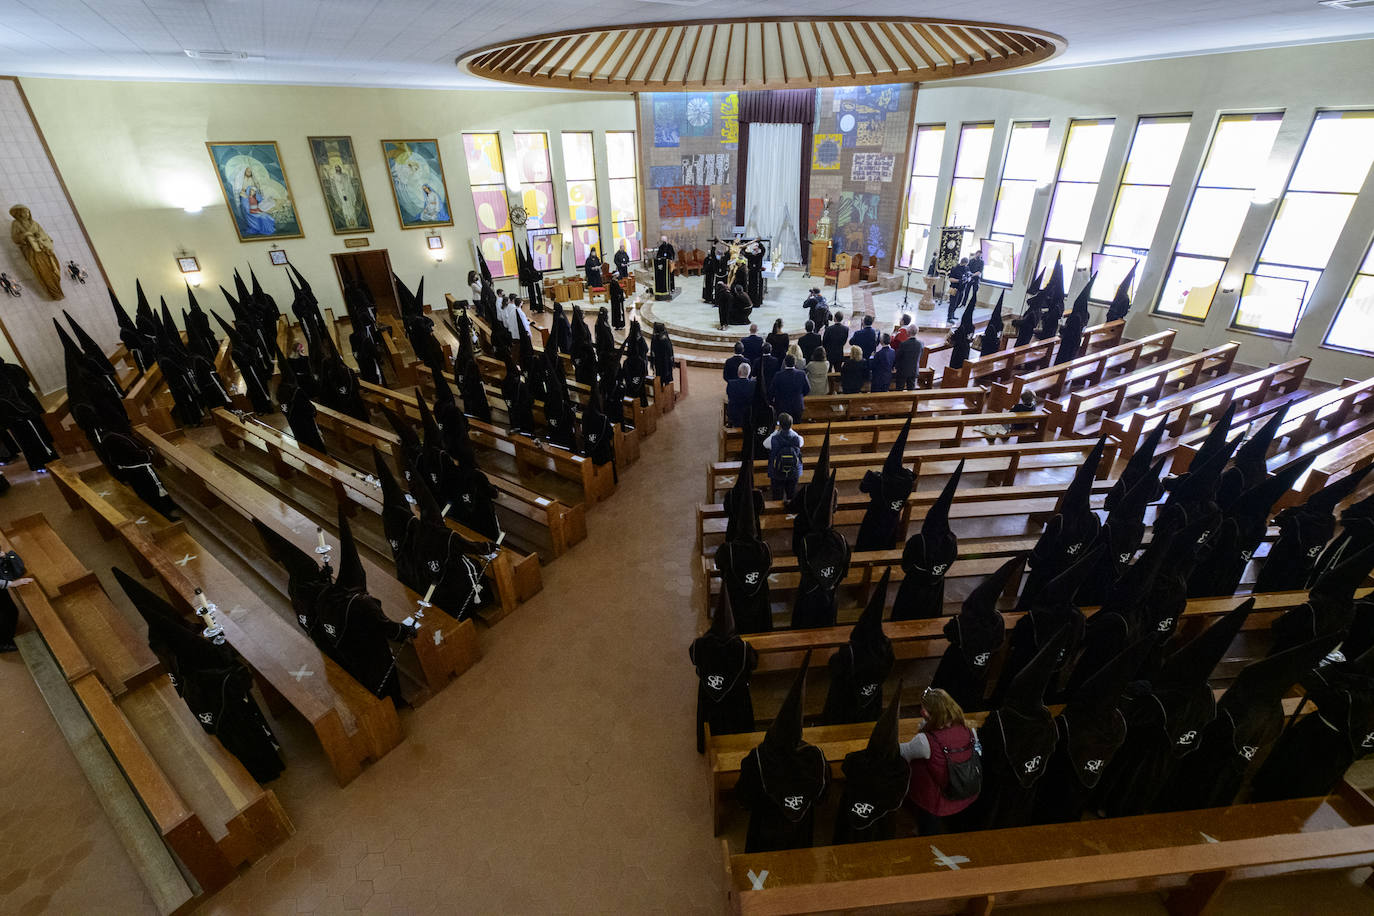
{"points": [[256, 190]]}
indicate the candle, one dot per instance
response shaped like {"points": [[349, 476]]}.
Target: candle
{"points": [[320, 532], [429, 593]]}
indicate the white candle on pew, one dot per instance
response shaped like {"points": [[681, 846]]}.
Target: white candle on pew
{"points": [[320, 532]]}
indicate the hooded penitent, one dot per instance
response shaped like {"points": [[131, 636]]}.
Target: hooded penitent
{"points": [[1089, 731], [724, 662], [1071, 334], [744, 560], [1053, 302], [1030, 318], [1164, 719], [519, 399], [926, 558], [1018, 738], [804, 502], [742, 488], [452, 421], [1357, 533], [975, 635], [99, 362], [211, 679], [824, 561], [1069, 533], [294, 396], [962, 338], [453, 565], [471, 389], [249, 363], [179, 373], [1330, 606], [469, 492], [887, 491], [991, 341], [198, 327], [139, 347], [1250, 465], [1121, 302], [1303, 531], [875, 781], [22, 414], [559, 418], [1249, 719], [859, 668], [1315, 751], [783, 780]]}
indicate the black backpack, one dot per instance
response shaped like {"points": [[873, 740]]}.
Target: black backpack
{"points": [[785, 459], [964, 778]]}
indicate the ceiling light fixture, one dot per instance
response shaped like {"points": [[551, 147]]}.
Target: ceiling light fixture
{"points": [[1346, 4], [195, 54]]}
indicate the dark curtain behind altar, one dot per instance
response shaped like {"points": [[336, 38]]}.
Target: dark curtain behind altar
{"points": [[778, 106]]}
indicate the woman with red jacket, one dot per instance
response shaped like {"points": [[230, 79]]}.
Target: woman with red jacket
{"points": [[943, 735]]}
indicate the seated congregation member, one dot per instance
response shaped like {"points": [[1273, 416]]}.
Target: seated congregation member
{"points": [[823, 555], [810, 340], [818, 371], [876, 780], [784, 458], [724, 662], [907, 364], [834, 339], [944, 745], [766, 367], [854, 372], [753, 344], [880, 367], [744, 560], [784, 779], [926, 558], [731, 368], [662, 351], [866, 337], [974, 635], [778, 338], [789, 389], [859, 668], [739, 393]]}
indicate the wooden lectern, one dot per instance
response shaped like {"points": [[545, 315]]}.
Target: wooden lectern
{"points": [[820, 257]]}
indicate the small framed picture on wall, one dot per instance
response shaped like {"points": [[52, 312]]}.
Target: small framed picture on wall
{"points": [[278, 256], [435, 242], [187, 264]]}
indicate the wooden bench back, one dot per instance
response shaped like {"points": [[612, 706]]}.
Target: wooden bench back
{"points": [[1053, 381]]}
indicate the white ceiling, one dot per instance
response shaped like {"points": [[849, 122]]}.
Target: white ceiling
{"points": [[413, 43]]}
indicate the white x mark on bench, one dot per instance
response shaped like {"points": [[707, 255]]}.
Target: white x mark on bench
{"points": [[951, 862], [304, 672], [186, 559], [757, 880]]}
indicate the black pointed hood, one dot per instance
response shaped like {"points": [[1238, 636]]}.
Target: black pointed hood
{"points": [[433, 437], [430, 510], [1121, 302], [241, 288], [1216, 438], [1101, 691], [1264, 682], [1193, 663], [885, 740], [869, 627], [300, 566], [966, 321], [785, 734], [723, 624], [1253, 454], [823, 511], [229, 331], [1136, 468], [896, 456], [443, 394], [745, 523], [143, 308], [89, 346], [1337, 583], [822, 469], [1036, 289], [1026, 694], [1328, 498], [1078, 495], [392, 494], [937, 516], [1080, 303], [121, 316], [351, 574], [1059, 592], [1054, 290]]}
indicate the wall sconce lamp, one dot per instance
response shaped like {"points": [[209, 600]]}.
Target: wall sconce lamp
{"points": [[190, 268]]}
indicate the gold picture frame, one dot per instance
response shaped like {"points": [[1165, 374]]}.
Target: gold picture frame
{"points": [[233, 162], [411, 167], [345, 197]]}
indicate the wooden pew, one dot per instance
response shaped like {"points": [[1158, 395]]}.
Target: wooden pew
{"points": [[445, 648], [1090, 369], [1334, 463], [566, 525], [597, 482], [212, 815], [1001, 462], [1189, 855], [1003, 364], [872, 435], [1150, 384], [820, 408], [515, 577], [148, 400], [1178, 412]]}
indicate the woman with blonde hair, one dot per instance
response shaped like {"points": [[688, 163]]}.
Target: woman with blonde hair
{"points": [[818, 371], [854, 373], [795, 352], [944, 738]]}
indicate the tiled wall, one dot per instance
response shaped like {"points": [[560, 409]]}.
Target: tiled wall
{"points": [[27, 177], [679, 130]]}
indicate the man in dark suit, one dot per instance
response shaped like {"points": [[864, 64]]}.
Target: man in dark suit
{"points": [[816, 309], [766, 366], [834, 340], [731, 370], [739, 395], [957, 273], [884, 358], [809, 341], [866, 337], [789, 389], [753, 344], [907, 363]]}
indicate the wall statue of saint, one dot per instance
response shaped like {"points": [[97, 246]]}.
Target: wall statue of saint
{"points": [[36, 246]]}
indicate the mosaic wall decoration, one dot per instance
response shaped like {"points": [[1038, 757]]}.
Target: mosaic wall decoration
{"points": [[670, 111], [728, 111], [699, 116], [871, 131], [684, 201], [825, 152], [872, 167], [706, 168], [665, 176]]}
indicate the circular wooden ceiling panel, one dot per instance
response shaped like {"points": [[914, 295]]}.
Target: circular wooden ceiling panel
{"points": [[763, 53]]}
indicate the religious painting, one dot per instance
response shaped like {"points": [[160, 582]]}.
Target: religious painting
{"points": [[872, 167], [728, 111], [683, 201], [706, 169], [670, 111], [700, 113], [825, 152], [256, 190], [664, 176], [337, 168], [417, 183], [857, 228]]}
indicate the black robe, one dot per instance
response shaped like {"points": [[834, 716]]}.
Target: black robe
{"points": [[924, 564], [300, 416], [592, 266], [1162, 728], [887, 494], [824, 560], [622, 263], [963, 668], [451, 563], [1016, 749], [723, 700], [1085, 745], [349, 626], [856, 683], [874, 787], [782, 791], [664, 282], [744, 564], [708, 276]]}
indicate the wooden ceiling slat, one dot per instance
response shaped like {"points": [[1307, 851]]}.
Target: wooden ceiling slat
{"points": [[1014, 43], [558, 62], [991, 46], [725, 64], [820, 49], [878, 46], [976, 47], [601, 63], [710, 55], [692, 55], [531, 52], [801, 49], [914, 39], [670, 58], [499, 59], [782, 53], [935, 44], [548, 55], [859, 45], [744, 77], [614, 68], [839, 42], [586, 55], [956, 49], [898, 47], [630, 74]]}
